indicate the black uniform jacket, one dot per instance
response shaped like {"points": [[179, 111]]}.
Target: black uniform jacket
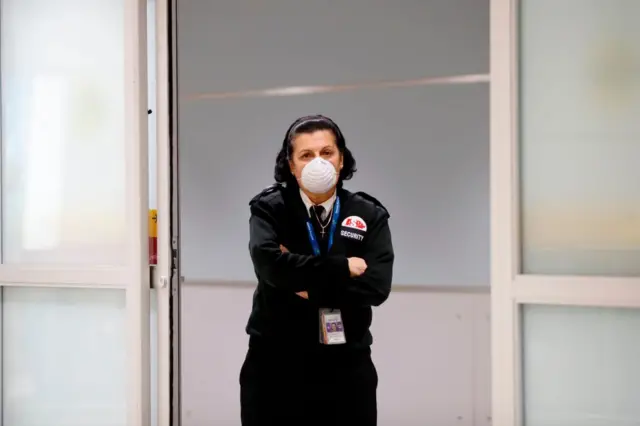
{"points": [[279, 217]]}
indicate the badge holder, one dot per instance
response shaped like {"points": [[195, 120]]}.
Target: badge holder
{"points": [[331, 327]]}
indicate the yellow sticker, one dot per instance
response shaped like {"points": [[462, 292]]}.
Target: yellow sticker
{"points": [[153, 223]]}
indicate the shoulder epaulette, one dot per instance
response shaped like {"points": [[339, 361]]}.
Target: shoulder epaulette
{"points": [[268, 190], [373, 200]]}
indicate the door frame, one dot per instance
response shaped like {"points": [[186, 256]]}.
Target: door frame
{"points": [[510, 289], [166, 280]]}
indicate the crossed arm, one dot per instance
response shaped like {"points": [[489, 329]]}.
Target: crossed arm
{"points": [[326, 280], [357, 267]]}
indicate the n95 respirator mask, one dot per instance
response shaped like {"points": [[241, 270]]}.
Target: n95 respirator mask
{"points": [[319, 176]]}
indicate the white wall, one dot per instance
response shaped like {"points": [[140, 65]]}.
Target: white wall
{"points": [[431, 349]]}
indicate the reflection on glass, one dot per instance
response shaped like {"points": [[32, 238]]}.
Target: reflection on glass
{"points": [[63, 167], [580, 366], [580, 137]]}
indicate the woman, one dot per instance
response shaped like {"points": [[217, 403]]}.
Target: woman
{"points": [[323, 257]]}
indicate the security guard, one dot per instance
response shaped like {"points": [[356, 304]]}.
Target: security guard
{"points": [[323, 257]]}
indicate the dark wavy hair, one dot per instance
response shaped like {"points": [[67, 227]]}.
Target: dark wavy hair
{"points": [[306, 125]]}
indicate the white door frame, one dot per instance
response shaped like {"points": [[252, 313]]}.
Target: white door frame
{"points": [[165, 267], [138, 285], [133, 278], [509, 288]]}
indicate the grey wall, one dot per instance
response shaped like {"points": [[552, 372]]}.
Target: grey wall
{"points": [[423, 151], [240, 44]]}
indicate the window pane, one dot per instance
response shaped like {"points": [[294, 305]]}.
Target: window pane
{"points": [[581, 366], [63, 167], [64, 357], [580, 137]]}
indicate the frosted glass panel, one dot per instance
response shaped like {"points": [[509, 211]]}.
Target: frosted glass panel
{"points": [[580, 136], [63, 164], [64, 357], [151, 84], [581, 366]]}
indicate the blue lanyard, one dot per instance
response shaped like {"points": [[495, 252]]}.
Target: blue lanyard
{"points": [[334, 224]]}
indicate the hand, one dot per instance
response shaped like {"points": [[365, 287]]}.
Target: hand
{"points": [[357, 266], [283, 249]]}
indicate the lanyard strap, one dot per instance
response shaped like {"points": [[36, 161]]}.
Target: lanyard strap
{"points": [[334, 224]]}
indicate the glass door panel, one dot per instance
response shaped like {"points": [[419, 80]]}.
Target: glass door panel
{"points": [[565, 143], [580, 137], [580, 366], [579, 149], [63, 132], [74, 231], [64, 357]]}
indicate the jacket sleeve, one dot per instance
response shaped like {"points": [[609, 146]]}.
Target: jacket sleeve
{"points": [[373, 287], [289, 271]]}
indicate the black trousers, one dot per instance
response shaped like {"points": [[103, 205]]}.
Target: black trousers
{"points": [[326, 385]]}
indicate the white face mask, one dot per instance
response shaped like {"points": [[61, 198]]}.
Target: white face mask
{"points": [[319, 176]]}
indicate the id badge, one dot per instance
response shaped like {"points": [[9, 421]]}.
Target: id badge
{"points": [[331, 327]]}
